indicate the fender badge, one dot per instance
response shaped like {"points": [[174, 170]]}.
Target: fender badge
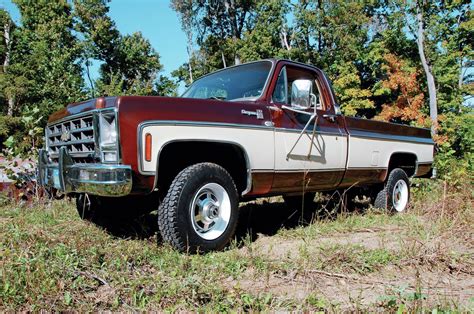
{"points": [[258, 113]]}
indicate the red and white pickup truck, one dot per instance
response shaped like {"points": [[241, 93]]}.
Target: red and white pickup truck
{"points": [[271, 127]]}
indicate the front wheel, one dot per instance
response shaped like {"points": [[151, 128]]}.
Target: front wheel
{"points": [[200, 210], [396, 194]]}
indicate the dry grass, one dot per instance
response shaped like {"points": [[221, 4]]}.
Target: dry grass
{"points": [[418, 261]]}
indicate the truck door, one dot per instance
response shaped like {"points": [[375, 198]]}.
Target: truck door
{"points": [[310, 154]]}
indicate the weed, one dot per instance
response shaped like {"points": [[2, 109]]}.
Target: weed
{"points": [[52, 260]]}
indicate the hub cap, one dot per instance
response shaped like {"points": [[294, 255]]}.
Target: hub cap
{"points": [[400, 195], [210, 211]]}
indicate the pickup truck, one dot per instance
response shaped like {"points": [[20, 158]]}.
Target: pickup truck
{"points": [[271, 127]]}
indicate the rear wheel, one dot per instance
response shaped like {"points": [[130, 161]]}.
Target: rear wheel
{"points": [[396, 194], [200, 210]]}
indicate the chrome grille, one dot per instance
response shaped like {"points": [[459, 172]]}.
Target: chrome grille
{"points": [[76, 134]]}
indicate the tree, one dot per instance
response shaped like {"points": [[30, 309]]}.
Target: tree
{"points": [[6, 28], [225, 21], [45, 56], [186, 12], [406, 98], [130, 64], [420, 40], [98, 31], [268, 36]]}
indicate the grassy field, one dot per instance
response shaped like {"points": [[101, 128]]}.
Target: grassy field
{"points": [[421, 260]]}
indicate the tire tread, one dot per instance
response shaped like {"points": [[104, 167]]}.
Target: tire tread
{"points": [[168, 223]]}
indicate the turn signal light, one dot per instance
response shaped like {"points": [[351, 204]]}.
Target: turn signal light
{"points": [[148, 147], [100, 103]]}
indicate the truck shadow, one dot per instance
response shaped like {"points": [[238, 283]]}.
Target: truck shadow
{"points": [[265, 218]]}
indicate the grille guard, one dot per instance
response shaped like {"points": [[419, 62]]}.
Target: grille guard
{"points": [[96, 179]]}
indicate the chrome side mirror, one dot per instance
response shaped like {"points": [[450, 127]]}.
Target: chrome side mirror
{"points": [[301, 96]]}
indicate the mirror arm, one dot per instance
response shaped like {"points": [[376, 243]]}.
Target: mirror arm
{"points": [[296, 110], [313, 116]]}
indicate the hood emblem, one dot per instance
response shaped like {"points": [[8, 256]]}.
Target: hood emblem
{"points": [[65, 136]]}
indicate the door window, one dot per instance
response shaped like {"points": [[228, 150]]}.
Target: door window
{"points": [[287, 84]]}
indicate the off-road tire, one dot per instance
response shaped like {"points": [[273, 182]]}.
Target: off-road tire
{"points": [[384, 199], [174, 218]]}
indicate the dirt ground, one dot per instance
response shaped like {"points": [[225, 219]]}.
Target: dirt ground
{"points": [[423, 270]]}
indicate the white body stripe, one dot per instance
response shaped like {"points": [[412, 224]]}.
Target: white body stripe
{"points": [[258, 143], [327, 152], [267, 149], [367, 152]]}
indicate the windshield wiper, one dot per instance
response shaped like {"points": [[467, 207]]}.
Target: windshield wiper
{"points": [[217, 97]]}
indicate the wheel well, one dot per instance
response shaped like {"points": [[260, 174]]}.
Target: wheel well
{"points": [[176, 156], [405, 161]]}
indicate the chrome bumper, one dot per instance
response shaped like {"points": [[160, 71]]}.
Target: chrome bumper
{"points": [[95, 179]]}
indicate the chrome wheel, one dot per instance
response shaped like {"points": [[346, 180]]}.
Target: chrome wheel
{"points": [[400, 195], [210, 211]]}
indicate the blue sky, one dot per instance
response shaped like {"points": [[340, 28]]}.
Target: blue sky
{"points": [[154, 18]]}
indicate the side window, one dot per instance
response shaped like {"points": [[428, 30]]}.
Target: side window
{"points": [[283, 88], [280, 93], [294, 74]]}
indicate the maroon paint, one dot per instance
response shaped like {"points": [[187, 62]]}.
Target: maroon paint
{"points": [[134, 110]]}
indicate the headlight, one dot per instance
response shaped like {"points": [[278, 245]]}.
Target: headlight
{"points": [[108, 140], [108, 130]]}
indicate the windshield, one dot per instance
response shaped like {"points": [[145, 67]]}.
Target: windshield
{"points": [[237, 83]]}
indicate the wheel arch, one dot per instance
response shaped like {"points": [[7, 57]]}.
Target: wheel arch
{"points": [[402, 159], [240, 171]]}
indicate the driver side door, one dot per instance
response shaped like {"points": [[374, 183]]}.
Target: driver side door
{"points": [[308, 159]]}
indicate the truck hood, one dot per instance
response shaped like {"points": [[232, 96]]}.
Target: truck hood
{"points": [[148, 106], [79, 107]]}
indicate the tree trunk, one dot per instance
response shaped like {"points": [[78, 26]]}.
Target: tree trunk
{"points": [[6, 63], [190, 67], [284, 40], [223, 60], [237, 59], [429, 74], [89, 78], [231, 12]]}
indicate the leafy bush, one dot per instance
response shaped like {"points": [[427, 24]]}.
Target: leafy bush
{"points": [[454, 160]]}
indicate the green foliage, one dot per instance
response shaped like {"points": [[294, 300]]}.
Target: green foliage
{"points": [[44, 58], [455, 158], [264, 40], [347, 86]]}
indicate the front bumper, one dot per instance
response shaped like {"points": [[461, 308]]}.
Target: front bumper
{"points": [[95, 179]]}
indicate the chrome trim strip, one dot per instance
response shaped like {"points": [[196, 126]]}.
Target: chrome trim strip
{"points": [[286, 130], [315, 170], [205, 124], [308, 170], [142, 125], [390, 137]]}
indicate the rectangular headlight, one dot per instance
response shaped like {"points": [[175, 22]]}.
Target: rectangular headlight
{"points": [[108, 130]]}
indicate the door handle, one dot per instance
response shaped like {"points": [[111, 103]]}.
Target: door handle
{"points": [[330, 117]]}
